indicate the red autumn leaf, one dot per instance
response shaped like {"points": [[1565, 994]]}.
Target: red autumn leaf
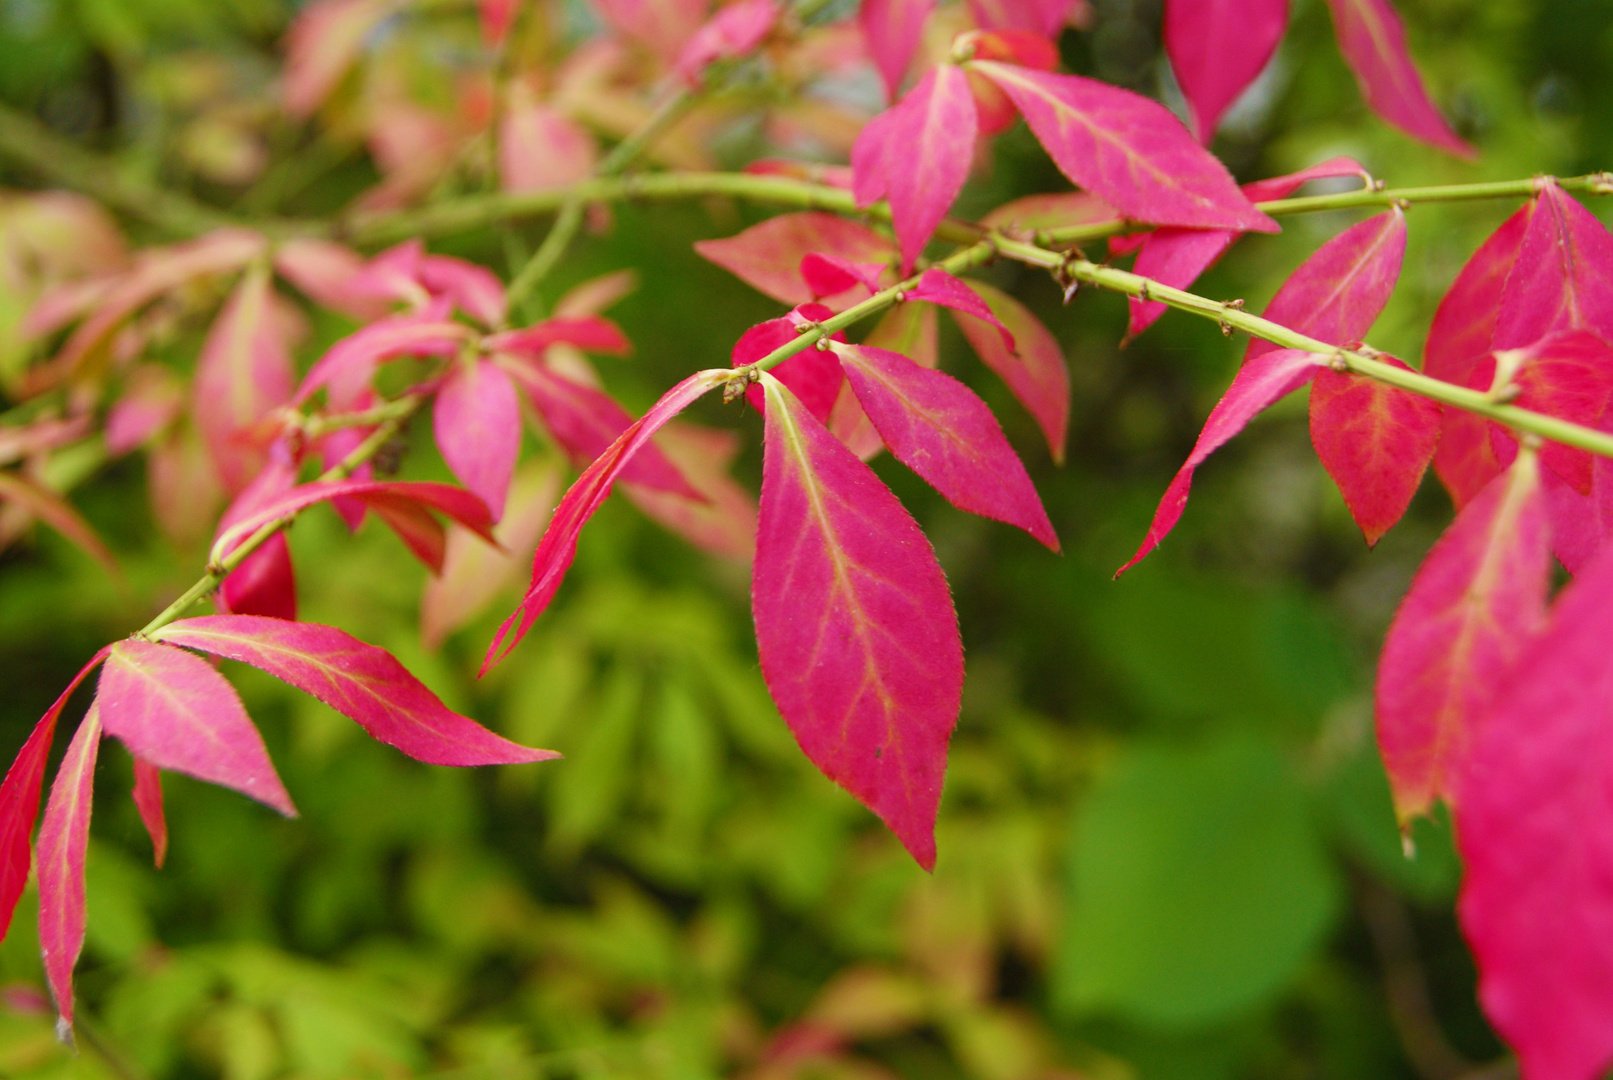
{"points": [[244, 372], [1564, 274], [349, 364], [590, 332], [1567, 374], [1375, 441], [64, 840], [474, 573], [854, 624], [357, 680], [559, 544], [1339, 291], [19, 799], [1035, 372], [1459, 341], [1580, 524], [1127, 150], [1472, 608], [1176, 257], [147, 796], [540, 148], [767, 256], [1532, 816], [893, 29], [829, 275], [934, 123], [937, 427], [812, 374], [1373, 42], [177, 712], [382, 496], [585, 421], [1025, 47], [323, 271], [723, 521], [1260, 383], [736, 30], [324, 41], [939, 287], [265, 582], [56, 512], [1217, 47], [477, 423]]}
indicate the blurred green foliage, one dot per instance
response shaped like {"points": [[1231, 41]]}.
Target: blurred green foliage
{"points": [[1166, 848]]}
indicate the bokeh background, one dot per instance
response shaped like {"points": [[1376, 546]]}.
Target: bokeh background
{"points": [[1166, 845]]}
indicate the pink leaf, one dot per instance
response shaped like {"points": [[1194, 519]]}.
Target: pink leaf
{"points": [[323, 271], [1475, 602], [854, 625], [934, 123], [64, 840], [939, 287], [1035, 373], [559, 544], [1176, 257], [1580, 524], [723, 522], [473, 289], [828, 275], [1537, 892], [244, 373], [585, 421], [736, 30], [893, 29], [58, 513], [265, 582], [455, 503], [1260, 383], [1373, 42], [1459, 344], [1564, 274], [540, 148], [595, 295], [591, 333], [324, 41], [1567, 374], [812, 374], [1127, 150], [360, 681], [148, 801], [868, 152], [1217, 47], [767, 257], [19, 799], [1338, 292], [349, 364], [152, 400], [477, 421], [177, 712], [1375, 441], [937, 427]]}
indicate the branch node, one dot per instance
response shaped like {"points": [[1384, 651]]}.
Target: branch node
{"points": [[1340, 363], [1601, 184], [822, 344], [1505, 395], [1530, 441], [1403, 204], [1143, 294], [743, 380]]}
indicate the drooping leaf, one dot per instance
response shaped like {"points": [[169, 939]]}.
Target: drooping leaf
{"points": [[1217, 47], [939, 287], [734, 31], [1375, 441], [64, 838], [1472, 608], [1260, 383], [1339, 291], [854, 624], [175, 711], [937, 427], [148, 801], [540, 148], [559, 544], [1532, 819], [19, 799], [56, 512], [360, 681], [1567, 374], [1373, 41], [455, 503], [1127, 150], [767, 256], [1035, 371], [1564, 274], [1459, 341], [477, 422], [723, 521], [893, 29]]}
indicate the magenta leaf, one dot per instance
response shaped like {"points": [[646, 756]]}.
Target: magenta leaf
{"points": [[1217, 47], [152, 400], [477, 422], [350, 362], [265, 582], [1458, 348], [1127, 150], [1260, 383], [1375, 441], [1532, 821], [939, 287], [893, 29], [148, 801], [1339, 291], [935, 123], [734, 31], [1373, 42], [323, 271], [381, 496], [585, 421], [591, 333], [868, 153], [937, 427], [812, 374], [1580, 524], [473, 289], [19, 799], [1567, 374], [64, 840], [559, 544], [1472, 608], [829, 275], [767, 257], [854, 625], [1035, 372], [1564, 274], [175, 711], [357, 680]]}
